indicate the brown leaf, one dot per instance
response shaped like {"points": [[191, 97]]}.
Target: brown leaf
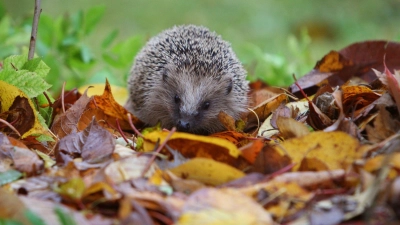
{"points": [[23, 159], [317, 119], [356, 98], [290, 128], [264, 109], [94, 145], [70, 97], [269, 161], [21, 114], [227, 120], [357, 59], [106, 109], [257, 96], [66, 123], [383, 126], [27, 161]]}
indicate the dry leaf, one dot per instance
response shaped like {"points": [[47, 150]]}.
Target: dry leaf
{"points": [[22, 111], [207, 171], [190, 146], [211, 206], [357, 59], [94, 145], [321, 151]]}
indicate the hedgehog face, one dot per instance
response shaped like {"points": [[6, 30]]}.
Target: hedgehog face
{"points": [[193, 101]]}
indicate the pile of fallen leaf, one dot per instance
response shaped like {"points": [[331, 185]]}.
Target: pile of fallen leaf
{"points": [[324, 152]]}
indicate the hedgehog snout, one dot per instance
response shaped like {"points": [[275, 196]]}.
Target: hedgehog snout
{"points": [[186, 121], [183, 125]]}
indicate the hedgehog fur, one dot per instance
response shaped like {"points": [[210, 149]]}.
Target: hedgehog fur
{"points": [[184, 77]]}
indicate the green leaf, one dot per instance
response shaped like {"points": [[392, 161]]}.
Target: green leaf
{"points": [[9, 222], [92, 17], [33, 218], [44, 138], [38, 66], [48, 161], [29, 82], [77, 22], [63, 217], [100, 76], [47, 31], [69, 40], [5, 24], [9, 176], [127, 49], [2, 10], [109, 39], [85, 54], [15, 62], [44, 108]]}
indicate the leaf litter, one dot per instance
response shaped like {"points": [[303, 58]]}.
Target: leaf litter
{"points": [[327, 152]]}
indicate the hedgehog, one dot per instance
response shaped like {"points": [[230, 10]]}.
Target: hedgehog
{"points": [[184, 77]]}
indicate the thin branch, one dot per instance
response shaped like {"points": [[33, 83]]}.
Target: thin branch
{"points": [[158, 150], [10, 126], [133, 126], [62, 97], [35, 23]]}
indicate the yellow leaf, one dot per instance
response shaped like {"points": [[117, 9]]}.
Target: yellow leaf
{"points": [[376, 163], [48, 161], [120, 93], [72, 189], [289, 199], [207, 171], [217, 144], [9, 94], [101, 187], [321, 150]]}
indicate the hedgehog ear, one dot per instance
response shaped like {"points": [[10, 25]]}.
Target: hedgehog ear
{"points": [[229, 88]]}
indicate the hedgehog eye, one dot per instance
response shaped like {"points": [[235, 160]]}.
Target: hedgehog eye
{"points": [[177, 99], [229, 88], [205, 105]]}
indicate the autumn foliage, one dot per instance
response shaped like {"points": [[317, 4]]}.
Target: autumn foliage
{"points": [[325, 151]]}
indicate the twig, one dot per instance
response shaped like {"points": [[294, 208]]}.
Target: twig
{"points": [[10, 126], [35, 23], [300, 88], [62, 97], [153, 157], [121, 132], [48, 99], [133, 126]]}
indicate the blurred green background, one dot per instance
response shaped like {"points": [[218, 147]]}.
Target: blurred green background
{"points": [[274, 39]]}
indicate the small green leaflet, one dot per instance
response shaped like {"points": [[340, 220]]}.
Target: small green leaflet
{"points": [[29, 82], [9, 176], [26, 75]]}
